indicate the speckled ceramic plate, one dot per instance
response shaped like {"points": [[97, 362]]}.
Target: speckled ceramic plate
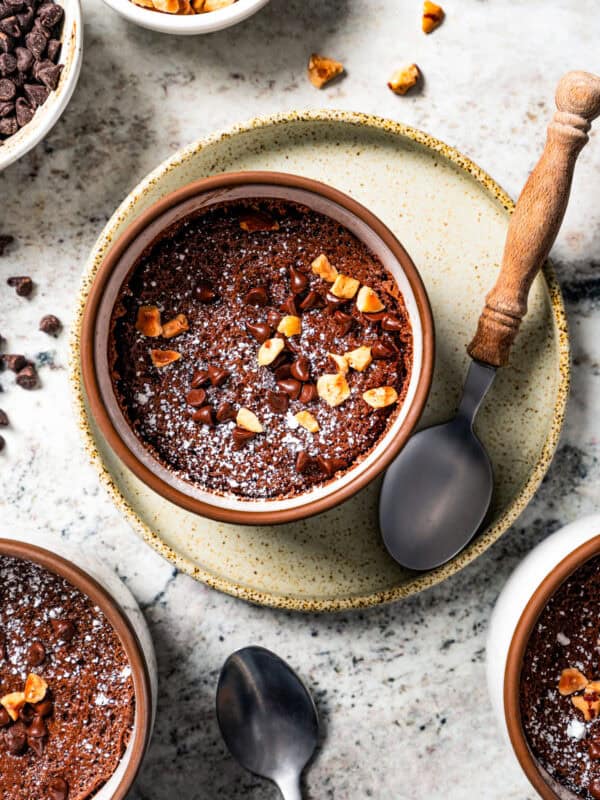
{"points": [[452, 218]]}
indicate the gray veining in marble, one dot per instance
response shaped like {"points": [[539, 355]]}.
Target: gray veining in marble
{"points": [[401, 689]]}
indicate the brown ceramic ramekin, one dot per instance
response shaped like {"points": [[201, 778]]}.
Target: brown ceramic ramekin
{"points": [[544, 784], [114, 270], [121, 782]]}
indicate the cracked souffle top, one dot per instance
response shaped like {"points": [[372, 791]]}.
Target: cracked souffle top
{"points": [[560, 685], [67, 704], [258, 348]]}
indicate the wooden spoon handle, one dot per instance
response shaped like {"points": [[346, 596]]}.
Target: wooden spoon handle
{"points": [[537, 218]]}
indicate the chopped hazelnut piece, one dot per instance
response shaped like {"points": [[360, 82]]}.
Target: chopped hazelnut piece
{"points": [[360, 358], [269, 350], [198, 6], [307, 420], [175, 326], [161, 358], [168, 6], [148, 321], [593, 686], [333, 389], [381, 397], [321, 70], [322, 267], [290, 325], [589, 705], [345, 287], [571, 681], [248, 420], [35, 688], [215, 5], [13, 703], [404, 79], [340, 362], [433, 16], [368, 301]]}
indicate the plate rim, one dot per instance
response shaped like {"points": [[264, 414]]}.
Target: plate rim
{"points": [[281, 600]]}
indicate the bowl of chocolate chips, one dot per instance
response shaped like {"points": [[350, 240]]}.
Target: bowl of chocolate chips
{"points": [[257, 347], [40, 59]]}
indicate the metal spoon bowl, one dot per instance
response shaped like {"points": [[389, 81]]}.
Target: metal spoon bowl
{"points": [[267, 717]]}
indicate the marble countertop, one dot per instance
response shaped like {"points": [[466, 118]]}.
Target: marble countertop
{"points": [[401, 689]]}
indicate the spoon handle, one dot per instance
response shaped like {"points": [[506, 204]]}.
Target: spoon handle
{"points": [[290, 788], [537, 218]]}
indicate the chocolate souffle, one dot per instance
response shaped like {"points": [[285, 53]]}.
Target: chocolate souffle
{"points": [[258, 348], [560, 685], [67, 705]]}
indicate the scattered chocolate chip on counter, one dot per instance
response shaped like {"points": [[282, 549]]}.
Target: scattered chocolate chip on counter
{"points": [[30, 34], [22, 284], [2, 443], [5, 239], [14, 362], [3, 419], [50, 325], [27, 378]]}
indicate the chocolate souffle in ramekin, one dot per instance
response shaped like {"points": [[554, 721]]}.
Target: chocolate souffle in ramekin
{"points": [[258, 348], [560, 685], [67, 704]]}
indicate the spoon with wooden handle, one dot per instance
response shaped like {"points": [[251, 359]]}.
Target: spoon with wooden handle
{"points": [[436, 494]]}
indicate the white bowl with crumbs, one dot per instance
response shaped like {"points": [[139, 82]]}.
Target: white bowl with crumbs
{"points": [[217, 14]]}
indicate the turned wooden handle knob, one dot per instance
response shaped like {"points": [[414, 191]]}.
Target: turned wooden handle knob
{"points": [[537, 218]]}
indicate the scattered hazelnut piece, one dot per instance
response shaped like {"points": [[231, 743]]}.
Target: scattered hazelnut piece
{"points": [[433, 16], [269, 350], [35, 688], [161, 358], [290, 325], [307, 420], [322, 267], [175, 326], [588, 706], [404, 79], [381, 397], [248, 420], [148, 321], [321, 70], [345, 287], [368, 301], [333, 389], [360, 358], [340, 362], [13, 703], [571, 681]]}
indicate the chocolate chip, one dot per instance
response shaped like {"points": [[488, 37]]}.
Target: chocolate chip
{"points": [[278, 402], [200, 379], [25, 19], [6, 43], [225, 412], [204, 415], [8, 89], [205, 292], [342, 321], [260, 330], [22, 284], [196, 398], [4, 717], [7, 108], [58, 789], [300, 369], [36, 743], [291, 387], [312, 300], [289, 306], [303, 462], [240, 436], [595, 788], [5, 241], [2, 443], [26, 713], [36, 94], [14, 362], [381, 350], [49, 74], [273, 318], [594, 750], [283, 371], [3, 419], [64, 630], [53, 49], [256, 297], [16, 738], [44, 708], [50, 324], [391, 323], [333, 303], [24, 59], [329, 465], [38, 727], [8, 64], [27, 378], [298, 281], [23, 112], [8, 126], [374, 316], [50, 14], [36, 43], [308, 393], [217, 375], [10, 26]]}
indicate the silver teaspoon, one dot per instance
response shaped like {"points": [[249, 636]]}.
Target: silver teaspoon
{"points": [[267, 717]]}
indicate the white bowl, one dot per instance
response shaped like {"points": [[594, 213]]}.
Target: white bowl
{"points": [[187, 25], [47, 115]]}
